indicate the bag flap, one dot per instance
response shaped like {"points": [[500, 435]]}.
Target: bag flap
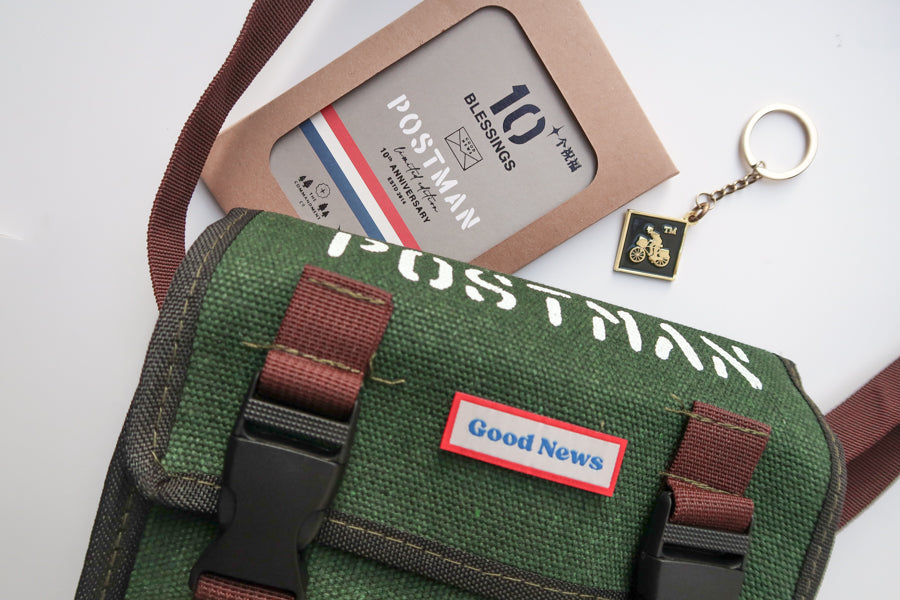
{"points": [[406, 502]]}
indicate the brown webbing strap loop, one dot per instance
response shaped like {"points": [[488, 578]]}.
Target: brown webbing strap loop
{"points": [[330, 332], [698, 537], [266, 26], [214, 587], [712, 468]]}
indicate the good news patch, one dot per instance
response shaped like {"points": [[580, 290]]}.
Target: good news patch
{"points": [[533, 444]]}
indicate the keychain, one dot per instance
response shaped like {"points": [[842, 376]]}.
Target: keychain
{"points": [[651, 245]]}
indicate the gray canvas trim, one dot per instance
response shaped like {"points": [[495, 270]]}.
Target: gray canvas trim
{"points": [[152, 414], [412, 553], [124, 505], [819, 549], [116, 535]]}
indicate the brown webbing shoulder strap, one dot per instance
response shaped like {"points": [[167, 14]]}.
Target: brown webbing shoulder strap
{"points": [[266, 26], [868, 426]]}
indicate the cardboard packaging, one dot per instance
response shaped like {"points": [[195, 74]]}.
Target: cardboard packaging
{"points": [[587, 150]]}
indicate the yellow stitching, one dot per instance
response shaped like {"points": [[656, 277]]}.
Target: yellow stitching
{"points": [[324, 361], [174, 353], [704, 419], [387, 381], [295, 352], [347, 292], [120, 533], [698, 484], [465, 566], [188, 478], [199, 481], [379, 379]]}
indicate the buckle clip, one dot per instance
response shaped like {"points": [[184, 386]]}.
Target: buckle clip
{"points": [[679, 562], [282, 469]]}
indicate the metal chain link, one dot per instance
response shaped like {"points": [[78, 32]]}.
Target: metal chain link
{"points": [[705, 201]]}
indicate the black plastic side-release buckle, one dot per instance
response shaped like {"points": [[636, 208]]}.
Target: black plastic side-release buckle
{"points": [[282, 469], [679, 562]]}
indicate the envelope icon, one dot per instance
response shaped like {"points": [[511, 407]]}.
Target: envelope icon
{"points": [[463, 148]]}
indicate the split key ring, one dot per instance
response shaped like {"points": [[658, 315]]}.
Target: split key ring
{"points": [[812, 142]]}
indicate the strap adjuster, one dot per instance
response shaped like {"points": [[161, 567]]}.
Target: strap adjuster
{"points": [[282, 470], [680, 562]]}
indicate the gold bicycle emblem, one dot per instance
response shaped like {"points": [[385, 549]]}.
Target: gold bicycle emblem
{"points": [[650, 249]]}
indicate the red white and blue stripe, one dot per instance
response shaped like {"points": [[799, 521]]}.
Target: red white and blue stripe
{"points": [[355, 179]]}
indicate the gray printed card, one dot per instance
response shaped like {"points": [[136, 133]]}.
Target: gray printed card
{"points": [[452, 159]]}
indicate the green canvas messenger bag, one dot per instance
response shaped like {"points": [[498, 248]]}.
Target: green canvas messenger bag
{"points": [[331, 417]]}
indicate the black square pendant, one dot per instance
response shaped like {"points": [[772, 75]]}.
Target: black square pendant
{"points": [[650, 245]]}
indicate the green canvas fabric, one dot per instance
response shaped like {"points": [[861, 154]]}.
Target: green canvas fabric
{"points": [[459, 328], [173, 539]]}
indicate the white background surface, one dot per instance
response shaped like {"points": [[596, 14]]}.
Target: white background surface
{"points": [[95, 92]]}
